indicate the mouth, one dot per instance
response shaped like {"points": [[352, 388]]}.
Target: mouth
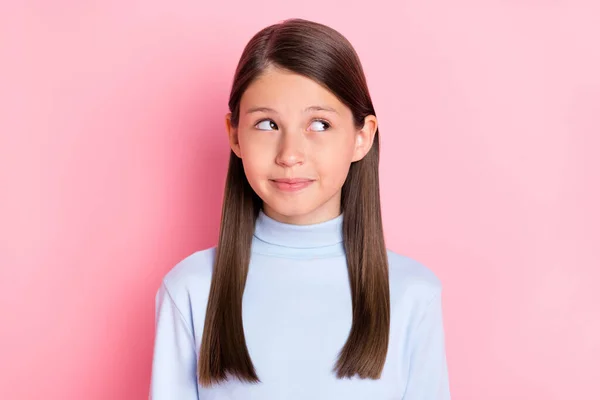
{"points": [[291, 184]]}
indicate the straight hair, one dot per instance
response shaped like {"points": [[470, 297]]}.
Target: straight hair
{"points": [[324, 55]]}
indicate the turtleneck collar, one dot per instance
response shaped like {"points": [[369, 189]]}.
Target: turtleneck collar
{"points": [[284, 239]]}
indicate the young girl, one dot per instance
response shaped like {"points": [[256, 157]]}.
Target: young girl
{"points": [[300, 299]]}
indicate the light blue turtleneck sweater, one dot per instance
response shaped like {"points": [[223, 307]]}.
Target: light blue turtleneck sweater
{"points": [[297, 313]]}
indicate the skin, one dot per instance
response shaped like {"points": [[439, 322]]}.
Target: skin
{"points": [[280, 136]]}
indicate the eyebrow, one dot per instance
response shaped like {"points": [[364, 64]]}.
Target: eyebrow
{"points": [[307, 109]]}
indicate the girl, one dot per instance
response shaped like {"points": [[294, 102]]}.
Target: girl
{"points": [[300, 299]]}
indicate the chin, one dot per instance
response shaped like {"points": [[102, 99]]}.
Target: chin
{"points": [[284, 208]]}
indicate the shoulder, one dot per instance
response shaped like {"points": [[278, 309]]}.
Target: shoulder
{"points": [[190, 276], [411, 283], [407, 271]]}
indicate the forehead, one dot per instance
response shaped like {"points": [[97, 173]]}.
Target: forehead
{"points": [[286, 91]]}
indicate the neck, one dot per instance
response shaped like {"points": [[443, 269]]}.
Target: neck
{"points": [[322, 214], [281, 238]]}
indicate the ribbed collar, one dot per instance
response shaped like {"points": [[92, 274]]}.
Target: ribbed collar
{"points": [[321, 235]]}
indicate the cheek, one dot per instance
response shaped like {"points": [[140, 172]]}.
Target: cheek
{"points": [[334, 165], [255, 174], [254, 168], [255, 153], [257, 168]]}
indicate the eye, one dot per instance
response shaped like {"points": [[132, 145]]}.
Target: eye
{"points": [[266, 125], [319, 125]]}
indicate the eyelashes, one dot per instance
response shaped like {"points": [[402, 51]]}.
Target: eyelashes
{"points": [[269, 124], [266, 125], [326, 125]]}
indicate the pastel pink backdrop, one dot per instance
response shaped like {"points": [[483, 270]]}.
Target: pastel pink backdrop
{"points": [[113, 158]]}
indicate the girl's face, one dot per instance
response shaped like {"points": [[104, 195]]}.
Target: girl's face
{"points": [[297, 141]]}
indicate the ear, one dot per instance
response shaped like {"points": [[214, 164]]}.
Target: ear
{"points": [[232, 133], [364, 138]]}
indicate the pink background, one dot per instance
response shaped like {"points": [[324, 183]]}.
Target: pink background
{"points": [[113, 157]]}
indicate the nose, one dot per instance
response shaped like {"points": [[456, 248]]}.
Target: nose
{"points": [[291, 150]]}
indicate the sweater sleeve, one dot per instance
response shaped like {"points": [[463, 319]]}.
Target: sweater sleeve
{"points": [[174, 359], [428, 374]]}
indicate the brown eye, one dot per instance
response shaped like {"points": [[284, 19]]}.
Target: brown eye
{"points": [[319, 126], [266, 125]]}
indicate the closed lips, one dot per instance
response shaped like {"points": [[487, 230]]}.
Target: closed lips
{"points": [[292, 185], [292, 181]]}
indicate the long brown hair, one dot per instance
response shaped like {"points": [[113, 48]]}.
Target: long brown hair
{"points": [[324, 55]]}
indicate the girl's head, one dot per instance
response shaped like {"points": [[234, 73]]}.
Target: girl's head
{"points": [[300, 110]]}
